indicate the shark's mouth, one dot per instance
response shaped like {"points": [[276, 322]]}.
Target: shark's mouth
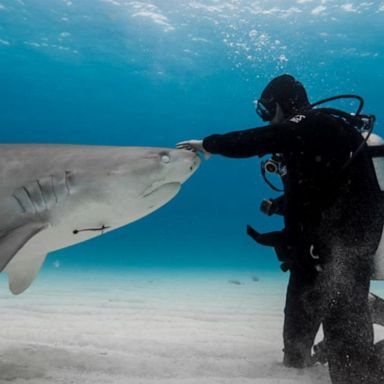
{"points": [[163, 190]]}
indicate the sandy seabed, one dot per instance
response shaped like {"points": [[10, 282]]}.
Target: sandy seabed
{"points": [[149, 327]]}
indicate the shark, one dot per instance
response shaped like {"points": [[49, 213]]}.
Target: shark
{"points": [[53, 196]]}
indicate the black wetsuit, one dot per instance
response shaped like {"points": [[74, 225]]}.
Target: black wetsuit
{"points": [[340, 213]]}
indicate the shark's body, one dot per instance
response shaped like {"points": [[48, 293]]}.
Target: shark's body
{"points": [[53, 196]]}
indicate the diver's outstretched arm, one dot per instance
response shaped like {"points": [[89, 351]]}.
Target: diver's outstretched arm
{"points": [[195, 146]]}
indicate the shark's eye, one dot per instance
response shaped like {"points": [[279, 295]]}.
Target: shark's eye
{"points": [[165, 159]]}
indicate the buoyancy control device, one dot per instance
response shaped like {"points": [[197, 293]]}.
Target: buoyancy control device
{"points": [[364, 124]]}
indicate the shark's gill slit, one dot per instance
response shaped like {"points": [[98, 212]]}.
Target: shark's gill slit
{"points": [[30, 199], [42, 193], [67, 181], [20, 203], [53, 188]]}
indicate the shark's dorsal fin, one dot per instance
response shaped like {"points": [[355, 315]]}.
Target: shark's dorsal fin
{"points": [[21, 275]]}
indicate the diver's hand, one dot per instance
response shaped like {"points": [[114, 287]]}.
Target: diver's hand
{"points": [[191, 145], [195, 146]]}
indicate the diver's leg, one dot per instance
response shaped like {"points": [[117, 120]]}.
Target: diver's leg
{"points": [[376, 307], [377, 364], [302, 318], [347, 324]]}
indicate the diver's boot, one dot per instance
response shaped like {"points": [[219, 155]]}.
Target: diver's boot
{"points": [[296, 359], [376, 372], [320, 353]]}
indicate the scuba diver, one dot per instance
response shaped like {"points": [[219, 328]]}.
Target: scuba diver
{"points": [[333, 218]]}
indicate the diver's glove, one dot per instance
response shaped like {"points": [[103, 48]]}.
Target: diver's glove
{"points": [[195, 146], [273, 206], [267, 207]]}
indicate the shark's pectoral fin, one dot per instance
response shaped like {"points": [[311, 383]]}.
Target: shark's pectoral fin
{"points": [[11, 242], [21, 275]]}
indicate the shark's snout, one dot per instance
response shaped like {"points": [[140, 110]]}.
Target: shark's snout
{"points": [[163, 167], [185, 163]]}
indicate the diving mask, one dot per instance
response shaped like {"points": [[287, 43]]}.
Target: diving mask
{"points": [[266, 109]]}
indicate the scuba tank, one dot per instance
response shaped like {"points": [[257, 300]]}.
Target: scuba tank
{"points": [[376, 149], [365, 124]]}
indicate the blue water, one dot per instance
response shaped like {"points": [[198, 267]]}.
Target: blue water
{"points": [[152, 73]]}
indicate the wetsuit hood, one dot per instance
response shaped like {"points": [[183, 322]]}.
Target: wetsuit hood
{"points": [[285, 90]]}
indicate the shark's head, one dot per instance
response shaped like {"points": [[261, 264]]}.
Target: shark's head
{"points": [[100, 183], [165, 169], [150, 177], [171, 165]]}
